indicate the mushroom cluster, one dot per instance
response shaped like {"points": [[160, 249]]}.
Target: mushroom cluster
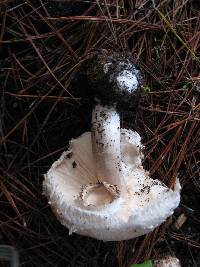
{"points": [[99, 187]]}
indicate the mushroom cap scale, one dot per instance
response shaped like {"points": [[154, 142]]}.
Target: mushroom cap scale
{"points": [[84, 206]]}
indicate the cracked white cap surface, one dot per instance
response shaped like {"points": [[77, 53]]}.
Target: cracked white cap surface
{"points": [[87, 208]]}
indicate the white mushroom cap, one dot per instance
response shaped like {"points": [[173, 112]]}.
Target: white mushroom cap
{"points": [[85, 206], [168, 261]]}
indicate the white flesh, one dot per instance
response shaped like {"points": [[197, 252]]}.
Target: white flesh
{"points": [[106, 146], [86, 207]]}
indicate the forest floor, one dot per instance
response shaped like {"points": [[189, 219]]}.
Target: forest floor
{"points": [[46, 100]]}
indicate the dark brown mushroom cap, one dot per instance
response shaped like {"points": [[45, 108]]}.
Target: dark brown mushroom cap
{"points": [[114, 77]]}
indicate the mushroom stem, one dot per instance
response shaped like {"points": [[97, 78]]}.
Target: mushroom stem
{"points": [[106, 147]]}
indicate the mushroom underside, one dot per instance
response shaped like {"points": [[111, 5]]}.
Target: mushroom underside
{"points": [[86, 206]]}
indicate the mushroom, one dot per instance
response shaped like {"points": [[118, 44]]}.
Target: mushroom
{"points": [[167, 261], [99, 187]]}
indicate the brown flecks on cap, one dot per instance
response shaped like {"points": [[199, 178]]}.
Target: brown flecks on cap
{"points": [[69, 155], [113, 189], [74, 164], [146, 189], [85, 189], [137, 193]]}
